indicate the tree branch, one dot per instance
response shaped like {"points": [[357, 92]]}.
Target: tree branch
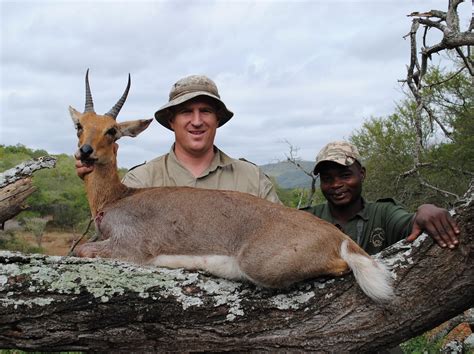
{"points": [[448, 23], [59, 303], [16, 186], [25, 169]]}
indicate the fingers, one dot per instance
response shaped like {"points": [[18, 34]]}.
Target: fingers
{"points": [[448, 231], [443, 229], [437, 223], [82, 170], [415, 232]]}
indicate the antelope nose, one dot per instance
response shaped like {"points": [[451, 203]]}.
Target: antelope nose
{"points": [[86, 150]]}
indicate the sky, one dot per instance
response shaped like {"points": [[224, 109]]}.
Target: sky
{"points": [[294, 72]]}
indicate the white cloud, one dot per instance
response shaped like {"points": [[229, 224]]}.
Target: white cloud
{"points": [[305, 71]]}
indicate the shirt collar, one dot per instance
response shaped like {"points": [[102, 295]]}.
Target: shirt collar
{"points": [[363, 214], [220, 160]]}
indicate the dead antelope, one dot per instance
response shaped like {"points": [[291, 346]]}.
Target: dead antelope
{"points": [[229, 234]]}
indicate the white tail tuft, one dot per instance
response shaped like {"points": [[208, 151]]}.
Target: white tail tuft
{"points": [[373, 277]]}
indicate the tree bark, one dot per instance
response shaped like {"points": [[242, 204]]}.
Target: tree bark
{"points": [[61, 303], [16, 186], [13, 197]]}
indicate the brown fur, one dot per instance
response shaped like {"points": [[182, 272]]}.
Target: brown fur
{"points": [[273, 245]]}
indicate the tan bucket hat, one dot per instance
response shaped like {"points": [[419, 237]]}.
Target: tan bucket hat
{"points": [[340, 152], [187, 89]]}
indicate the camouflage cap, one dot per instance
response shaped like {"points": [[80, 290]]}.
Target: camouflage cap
{"points": [[340, 152], [187, 89]]}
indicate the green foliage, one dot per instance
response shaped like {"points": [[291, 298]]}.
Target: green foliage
{"points": [[388, 147], [36, 226], [298, 197], [10, 156], [8, 241], [60, 193], [420, 345]]}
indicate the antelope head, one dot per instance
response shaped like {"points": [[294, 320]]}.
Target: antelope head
{"points": [[98, 133]]}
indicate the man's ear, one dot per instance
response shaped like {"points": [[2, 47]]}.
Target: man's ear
{"points": [[133, 128], [363, 172], [171, 122]]}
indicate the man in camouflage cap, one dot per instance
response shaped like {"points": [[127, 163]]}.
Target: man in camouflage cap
{"points": [[373, 225], [193, 112], [340, 152]]}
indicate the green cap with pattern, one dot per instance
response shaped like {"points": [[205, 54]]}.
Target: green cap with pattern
{"points": [[187, 89], [340, 152]]}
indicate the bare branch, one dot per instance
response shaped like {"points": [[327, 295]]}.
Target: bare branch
{"points": [[439, 190], [25, 169], [293, 159], [448, 23], [430, 86], [466, 61]]}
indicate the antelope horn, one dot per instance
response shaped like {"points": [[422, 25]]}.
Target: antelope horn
{"points": [[118, 106], [89, 103]]}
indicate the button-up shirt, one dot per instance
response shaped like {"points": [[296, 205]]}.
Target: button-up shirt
{"points": [[378, 225], [224, 173]]}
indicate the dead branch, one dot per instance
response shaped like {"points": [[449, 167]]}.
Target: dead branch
{"points": [[16, 186]]}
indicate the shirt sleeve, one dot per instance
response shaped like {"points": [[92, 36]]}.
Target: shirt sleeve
{"points": [[132, 180], [267, 190], [398, 222]]}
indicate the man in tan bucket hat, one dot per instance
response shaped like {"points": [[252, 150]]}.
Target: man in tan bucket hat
{"points": [[373, 225], [194, 112]]}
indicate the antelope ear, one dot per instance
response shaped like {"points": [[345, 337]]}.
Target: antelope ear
{"points": [[74, 115], [133, 128]]}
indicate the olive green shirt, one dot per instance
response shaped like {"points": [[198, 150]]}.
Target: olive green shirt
{"points": [[378, 225], [224, 173]]}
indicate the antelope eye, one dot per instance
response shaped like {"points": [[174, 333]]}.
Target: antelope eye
{"points": [[78, 129], [111, 132]]}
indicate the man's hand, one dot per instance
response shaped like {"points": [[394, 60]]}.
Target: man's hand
{"points": [[437, 223], [82, 170]]}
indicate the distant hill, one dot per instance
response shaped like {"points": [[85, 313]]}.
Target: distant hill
{"points": [[288, 175]]}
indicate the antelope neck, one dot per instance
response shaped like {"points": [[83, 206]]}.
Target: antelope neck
{"points": [[103, 187]]}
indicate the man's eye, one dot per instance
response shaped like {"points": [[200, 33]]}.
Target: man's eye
{"points": [[324, 179], [111, 132]]}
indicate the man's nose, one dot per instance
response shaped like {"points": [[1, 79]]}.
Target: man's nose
{"points": [[336, 183], [196, 118]]}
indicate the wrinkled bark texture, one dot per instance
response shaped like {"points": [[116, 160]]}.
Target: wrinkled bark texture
{"points": [[60, 303]]}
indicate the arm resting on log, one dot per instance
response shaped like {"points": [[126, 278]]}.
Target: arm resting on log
{"points": [[58, 303]]}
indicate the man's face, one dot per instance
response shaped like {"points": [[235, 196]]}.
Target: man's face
{"points": [[195, 124], [341, 185]]}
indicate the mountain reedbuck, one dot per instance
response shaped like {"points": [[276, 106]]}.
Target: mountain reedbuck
{"points": [[229, 234]]}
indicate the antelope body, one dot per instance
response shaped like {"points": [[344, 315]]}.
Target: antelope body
{"points": [[229, 234]]}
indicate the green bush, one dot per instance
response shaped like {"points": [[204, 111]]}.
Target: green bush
{"points": [[9, 241], [420, 345]]}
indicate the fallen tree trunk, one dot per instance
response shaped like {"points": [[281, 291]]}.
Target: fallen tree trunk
{"points": [[60, 303], [16, 186]]}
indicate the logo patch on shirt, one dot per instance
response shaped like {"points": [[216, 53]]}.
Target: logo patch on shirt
{"points": [[377, 237]]}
